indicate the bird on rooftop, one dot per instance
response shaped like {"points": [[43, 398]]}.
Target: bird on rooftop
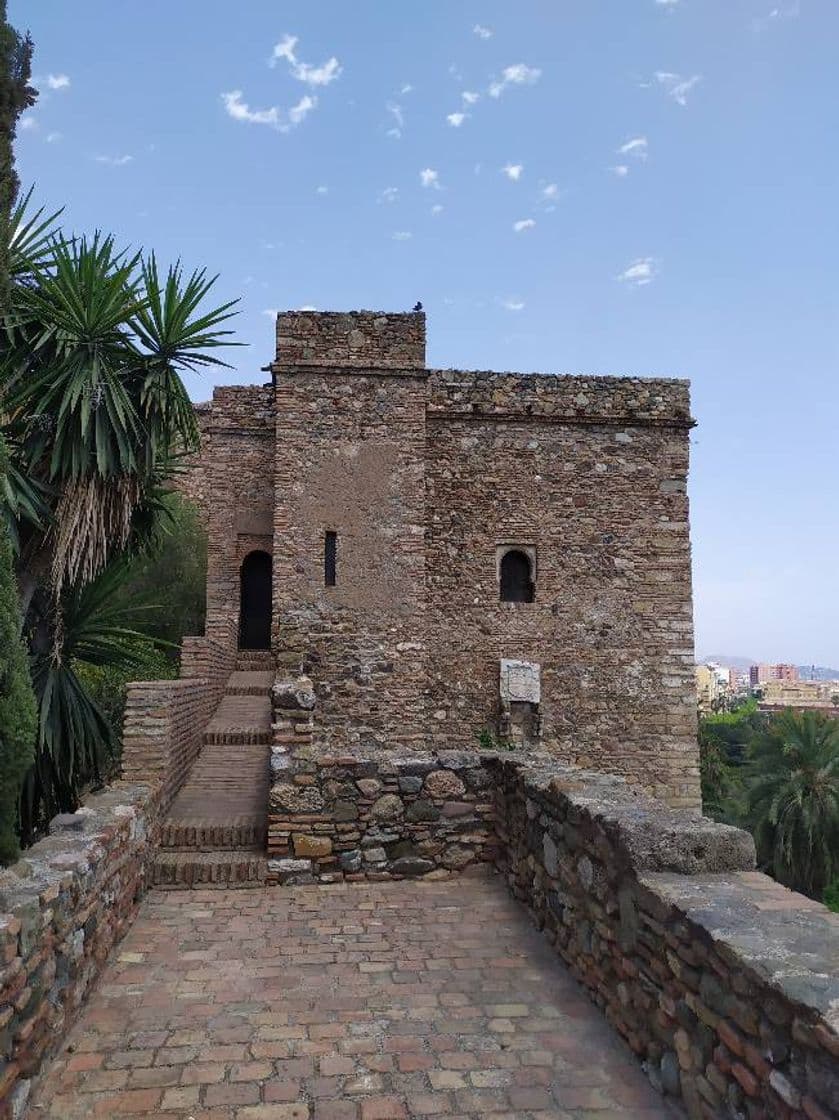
{"points": [[417, 306]]}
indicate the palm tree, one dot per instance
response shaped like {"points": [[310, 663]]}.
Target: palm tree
{"points": [[793, 801], [95, 417]]}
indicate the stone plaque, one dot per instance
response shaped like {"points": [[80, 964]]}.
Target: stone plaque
{"points": [[520, 681]]}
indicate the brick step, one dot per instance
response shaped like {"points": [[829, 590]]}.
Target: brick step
{"points": [[250, 659], [234, 832], [231, 736], [255, 682], [182, 870]]}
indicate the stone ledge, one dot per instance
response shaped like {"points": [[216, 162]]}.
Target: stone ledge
{"points": [[63, 906], [644, 834]]}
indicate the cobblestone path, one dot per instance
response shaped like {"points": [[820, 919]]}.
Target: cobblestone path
{"points": [[352, 1002]]}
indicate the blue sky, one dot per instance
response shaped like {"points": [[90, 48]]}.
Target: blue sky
{"points": [[644, 187]]}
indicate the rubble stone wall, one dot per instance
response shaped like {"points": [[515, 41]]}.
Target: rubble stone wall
{"points": [[63, 908], [427, 476], [351, 455], [725, 984], [366, 339], [240, 495], [589, 475]]}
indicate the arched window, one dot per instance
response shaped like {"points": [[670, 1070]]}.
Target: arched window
{"points": [[516, 577], [255, 601]]}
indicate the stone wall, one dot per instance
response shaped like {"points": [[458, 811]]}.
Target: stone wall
{"points": [[365, 339], [351, 461], [426, 477], [63, 908], [239, 488], [369, 815], [725, 984], [589, 475], [165, 720]]}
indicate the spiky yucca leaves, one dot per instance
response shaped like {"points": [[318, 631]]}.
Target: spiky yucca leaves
{"points": [[93, 345], [91, 384], [75, 739], [793, 804]]}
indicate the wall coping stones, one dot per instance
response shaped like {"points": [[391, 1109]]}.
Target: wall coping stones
{"points": [[786, 940], [646, 835], [63, 907]]}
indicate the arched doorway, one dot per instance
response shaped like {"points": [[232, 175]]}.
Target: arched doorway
{"points": [[255, 601]]}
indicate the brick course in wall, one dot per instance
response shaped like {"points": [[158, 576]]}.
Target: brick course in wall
{"points": [[425, 476]]}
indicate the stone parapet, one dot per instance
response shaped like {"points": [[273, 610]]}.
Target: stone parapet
{"points": [[724, 983], [561, 398], [353, 339], [63, 908]]}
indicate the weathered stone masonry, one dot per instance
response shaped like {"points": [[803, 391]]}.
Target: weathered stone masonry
{"points": [[426, 477]]}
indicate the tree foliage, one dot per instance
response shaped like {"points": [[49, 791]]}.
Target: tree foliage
{"points": [[18, 718], [793, 799], [96, 418]]}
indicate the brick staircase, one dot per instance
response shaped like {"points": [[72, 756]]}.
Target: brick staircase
{"points": [[215, 831]]}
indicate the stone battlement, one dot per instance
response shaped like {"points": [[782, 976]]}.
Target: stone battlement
{"points": [[352, 339]]}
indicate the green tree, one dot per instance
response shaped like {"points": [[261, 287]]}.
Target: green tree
{"points": [[793, 799], [18, 716], [96, 416], [171, 575], [16, 94]]}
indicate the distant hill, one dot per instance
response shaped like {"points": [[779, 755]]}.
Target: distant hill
{"points": [[806, 672], [728, 661]]}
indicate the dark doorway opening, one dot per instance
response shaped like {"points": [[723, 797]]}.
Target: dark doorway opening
{"points": [[255, 601], [516, 577]]}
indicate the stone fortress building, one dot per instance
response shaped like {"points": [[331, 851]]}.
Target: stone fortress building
{"points": [[455, 556]]}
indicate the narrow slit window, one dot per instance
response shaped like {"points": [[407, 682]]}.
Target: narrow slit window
{"points": [[330, 556]]}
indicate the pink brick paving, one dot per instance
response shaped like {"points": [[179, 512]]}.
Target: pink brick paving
{"points": [[351, 1002]]}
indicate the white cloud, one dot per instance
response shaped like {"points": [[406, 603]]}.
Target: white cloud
{"points": [[641, 272], [457, 119], [512, 303], [776, 15], [513, 171], [322, 190], [470, 97], [430, 178], [406, 88], [620, 169], [402, 235], [389, 194], [307, 307], [304, 106], [28, 123], [677, 87], [52, 137], [239, 110], [437, 208], [271, 312], [482, 32], [58, 81], [637, 147], [550, 190], [321, 75], [399, 119], [517, 75], [667, 3], [523, 224], [114, 161]]}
